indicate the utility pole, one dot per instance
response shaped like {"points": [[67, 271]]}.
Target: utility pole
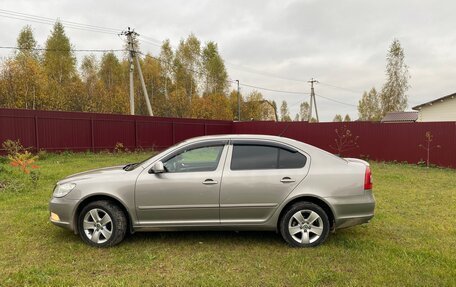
{"points": [[239, 101], [129, 33], [132, 54], [312, 99]]}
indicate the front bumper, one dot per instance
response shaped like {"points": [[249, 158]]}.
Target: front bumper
{"points": [[352, 210], [64, 209]]}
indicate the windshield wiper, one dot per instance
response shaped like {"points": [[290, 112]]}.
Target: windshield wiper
{"points": [[130, 166]]}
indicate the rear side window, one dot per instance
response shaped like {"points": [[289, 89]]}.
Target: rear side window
{"points": [[254, 157], [248, 157]]}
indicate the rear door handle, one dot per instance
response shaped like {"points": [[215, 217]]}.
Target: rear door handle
{"points": [[210, 181], [287, 180]]}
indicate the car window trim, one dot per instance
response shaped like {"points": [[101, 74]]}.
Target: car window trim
{"points": [[264, 143]]}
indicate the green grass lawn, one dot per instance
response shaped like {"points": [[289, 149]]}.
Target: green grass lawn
{"points": [[411, 241]]}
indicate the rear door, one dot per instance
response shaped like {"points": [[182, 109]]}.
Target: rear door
{"points": [[257, 177]]}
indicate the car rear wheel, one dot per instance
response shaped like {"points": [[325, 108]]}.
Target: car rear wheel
{"points": [[102, 224], [304, 224]]}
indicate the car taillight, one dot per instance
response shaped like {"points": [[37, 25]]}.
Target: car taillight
{"points": [[368, 179]]}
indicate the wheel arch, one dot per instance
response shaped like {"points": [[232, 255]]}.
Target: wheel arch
{"points": [[312, 199], [96, 197]]}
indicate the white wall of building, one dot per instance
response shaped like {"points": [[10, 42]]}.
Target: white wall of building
{"points": [[440, 111]]}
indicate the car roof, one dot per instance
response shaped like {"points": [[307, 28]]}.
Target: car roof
{"points": [[285, 140]]}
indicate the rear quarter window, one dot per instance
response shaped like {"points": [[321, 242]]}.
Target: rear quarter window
{"points": [[289, 159]]}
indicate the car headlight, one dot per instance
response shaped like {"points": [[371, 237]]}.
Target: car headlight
{"points": [[63, 189]]}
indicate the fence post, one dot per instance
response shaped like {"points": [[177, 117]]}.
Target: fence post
{"points": [[172, 129], [37, 143], [92, 140], [205, 129], [136, 134]]}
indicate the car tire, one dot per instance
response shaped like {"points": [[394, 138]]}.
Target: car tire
{"points": [[304, 224], [102, 223]]}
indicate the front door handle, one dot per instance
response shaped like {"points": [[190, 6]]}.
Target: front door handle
{"points": [[210, 181], [287, 180]]}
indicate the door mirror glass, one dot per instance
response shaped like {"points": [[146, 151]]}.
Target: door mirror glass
{"points": [[158, 167]]}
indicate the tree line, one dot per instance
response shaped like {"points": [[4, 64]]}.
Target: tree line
{"points": [[189, 81]]}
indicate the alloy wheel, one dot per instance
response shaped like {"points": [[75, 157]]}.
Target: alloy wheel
{"points": [[98, 225], [305, 226]]}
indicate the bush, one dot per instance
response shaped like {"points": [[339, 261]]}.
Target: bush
{"points": [[24, 161], [119, 148], [42, 154], [13, 147]]}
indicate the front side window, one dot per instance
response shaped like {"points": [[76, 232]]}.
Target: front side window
{"points": [[250, 157], [197, 159]]}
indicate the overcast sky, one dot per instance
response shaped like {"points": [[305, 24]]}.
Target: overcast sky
{"points": [[278, 44]]}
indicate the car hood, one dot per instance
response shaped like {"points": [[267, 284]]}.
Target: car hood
{"points": [[112, 170]]}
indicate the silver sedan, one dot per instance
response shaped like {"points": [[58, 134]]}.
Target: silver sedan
{"points": [[229, 182]]}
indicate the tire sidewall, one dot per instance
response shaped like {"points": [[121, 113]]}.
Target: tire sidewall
{"points": [[301, 206]]}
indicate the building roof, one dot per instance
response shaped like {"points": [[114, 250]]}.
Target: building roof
{"points": [[394, 117], [442, 99]]}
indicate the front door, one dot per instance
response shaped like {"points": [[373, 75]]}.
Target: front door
{"points": [[187, 192]]}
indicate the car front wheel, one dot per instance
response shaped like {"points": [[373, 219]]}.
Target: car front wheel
{"points": [[102, 224], [304, 224]]}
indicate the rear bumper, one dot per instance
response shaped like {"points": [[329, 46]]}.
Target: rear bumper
{"points": [[64, 209], [352, 210]]}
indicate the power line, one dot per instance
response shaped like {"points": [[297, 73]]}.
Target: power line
{"points": [[63, 50], [143, 40], [341, 88], [152, 39], [274, 90], [336, 101], [252, 71], [50, 21], [297, 93]]}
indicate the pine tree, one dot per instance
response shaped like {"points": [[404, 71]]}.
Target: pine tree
{"points": [[59, 60], [347, 118], [22, 80], [59, 64], [26, 43]]}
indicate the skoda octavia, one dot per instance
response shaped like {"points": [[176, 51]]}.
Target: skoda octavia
{"points": [[227, 182]]}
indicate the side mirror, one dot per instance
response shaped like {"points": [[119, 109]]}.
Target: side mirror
{"points": [[158, 167]]}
